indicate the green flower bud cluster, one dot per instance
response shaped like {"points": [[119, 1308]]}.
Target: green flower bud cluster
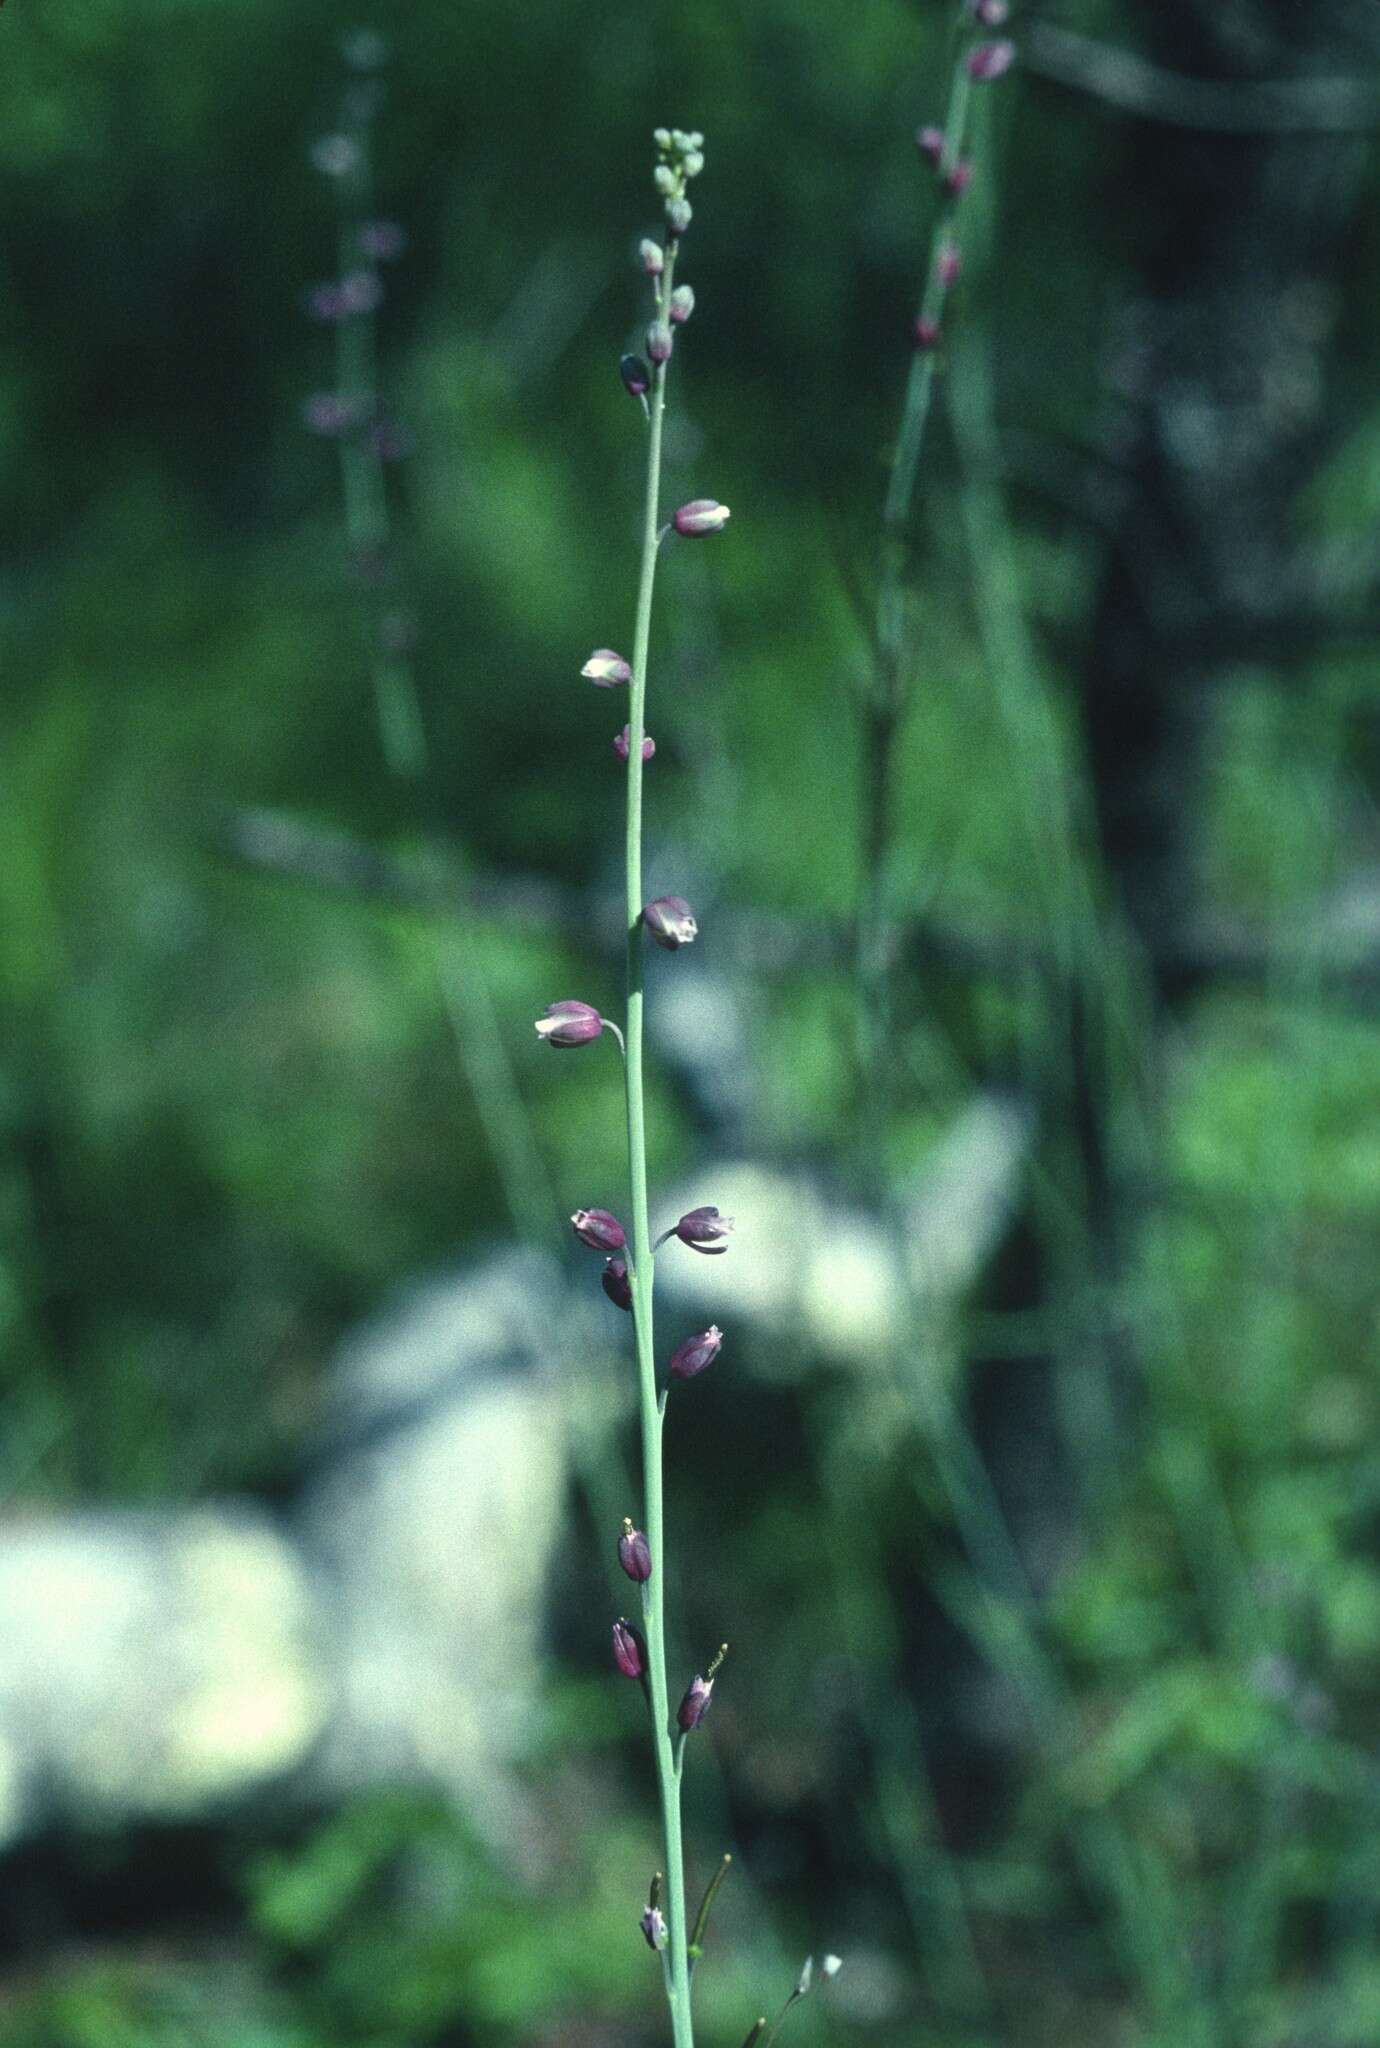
{"points": [[680, 157]]}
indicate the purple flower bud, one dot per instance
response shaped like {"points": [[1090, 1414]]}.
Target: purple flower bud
{"points": [[637, 378], [653, 1925], [958, 180], [678, 215], [381, 241], [629, 1651], [695, 1705], [569, 1023], [696, 1353], [947, 266], [702, 1230], [659, 342], [634, 1554], [606, 668], [651, 256], [361, 291], [991, 13], [335, 156], [926, 333], [600, 1230], [682, 304], [616, 1284], [327, 413], [326, 302], [701, 515], [670, 921], [988, 60], [622, 745], [930, 143]]}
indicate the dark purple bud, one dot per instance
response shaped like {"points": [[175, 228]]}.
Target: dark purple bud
{"points": [[637, 378], [600, 1230], [606, 668], [622, 745], [925, 333], [616, 1284], [959, 179], [988, 60], [335, 156], [670, 921], [629, 1651], [701, 515], [704, 1229], [682, 304], [361, 291], [930, 143], [634, 1554], [325, 412], [679, 215], [653, 1925], [569, 1024], [695, 1705], [382, 241], [991, 13], [696, 1353], [326, 302], [659, 341], [651, 256], [947, 266]]}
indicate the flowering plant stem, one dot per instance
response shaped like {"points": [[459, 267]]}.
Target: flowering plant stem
{"points": [[664, 1749]]}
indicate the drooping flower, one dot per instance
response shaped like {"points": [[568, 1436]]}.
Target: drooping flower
{"points": [[569, 1023], [696, 1353], [704, 1229], [671, 922], [599, 1229], [616, 1284], [607, 669]]}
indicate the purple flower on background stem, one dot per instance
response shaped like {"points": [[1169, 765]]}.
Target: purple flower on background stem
{"points": [[389, 441], [637, 378], [629, 1650], [325, 412], [335, 156], [682, 304], [701, 515], [947, 266], [925, 333], [651, 256], [569, 1023], [659, 342], [634, 1554], [703, 1229], [622, 745], [989, 60], [671, 922], [361, 291], [653, 1925], [326, 302], [695, 1705], [599, 1229], [616, 1284], [606, 668], [959, 179], [930, 143], [696, 1353], [382, 241]]}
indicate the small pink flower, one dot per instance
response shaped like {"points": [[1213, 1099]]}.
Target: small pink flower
{"points": [[607, 669], [569, 1023], [701, 515], [671, 922], [989, 60], [600, 1230], [622, 745]]}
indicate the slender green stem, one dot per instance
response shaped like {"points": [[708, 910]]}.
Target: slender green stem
{"points": [[654, 1591]]}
